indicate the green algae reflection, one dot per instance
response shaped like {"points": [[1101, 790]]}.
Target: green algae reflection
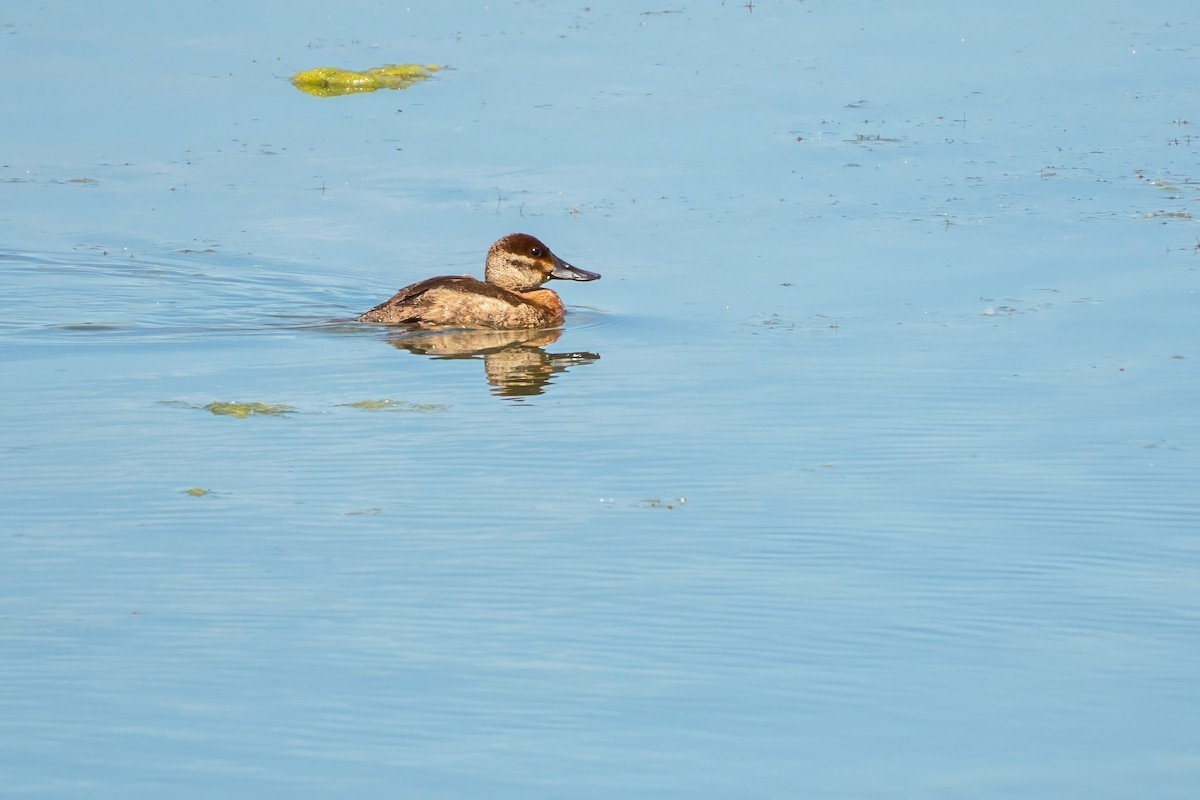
{"points": [[243, 410], [334, 81]]}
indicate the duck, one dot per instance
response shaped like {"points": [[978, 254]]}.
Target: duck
{"points": [[510, 297]]}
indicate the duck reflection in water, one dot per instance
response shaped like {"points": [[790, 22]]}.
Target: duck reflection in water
{"points": [[515, 363]]}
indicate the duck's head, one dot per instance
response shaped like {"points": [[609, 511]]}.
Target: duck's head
{"points": [[520, 262]]}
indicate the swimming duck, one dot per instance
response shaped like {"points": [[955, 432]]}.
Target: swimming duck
{"points": [[508, 298]]}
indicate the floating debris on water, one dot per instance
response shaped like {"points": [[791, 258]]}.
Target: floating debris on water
{"points": [[335, 81], [243, 410], [655, 502], [196, 491], [396, 405]]}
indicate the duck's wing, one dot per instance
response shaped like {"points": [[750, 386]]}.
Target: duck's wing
{"points": [[424, 301]]}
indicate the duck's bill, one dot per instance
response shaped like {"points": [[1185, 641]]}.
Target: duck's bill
{"points": [[566, 272]]}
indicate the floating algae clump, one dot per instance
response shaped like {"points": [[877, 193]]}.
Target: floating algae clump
{"points": [[396, 405], [243, 410], [334, 81]]}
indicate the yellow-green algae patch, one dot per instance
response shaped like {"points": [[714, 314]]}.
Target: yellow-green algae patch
{"points": [[396, 405], [243, 410], [335, 81]]}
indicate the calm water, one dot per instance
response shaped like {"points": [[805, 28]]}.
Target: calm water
{"points": [[869, 469]]}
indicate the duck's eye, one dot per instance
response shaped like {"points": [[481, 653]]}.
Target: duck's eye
{"points": [[536, 252]]}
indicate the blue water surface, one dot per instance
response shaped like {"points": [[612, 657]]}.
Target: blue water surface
{"points": [[868, 470]]}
